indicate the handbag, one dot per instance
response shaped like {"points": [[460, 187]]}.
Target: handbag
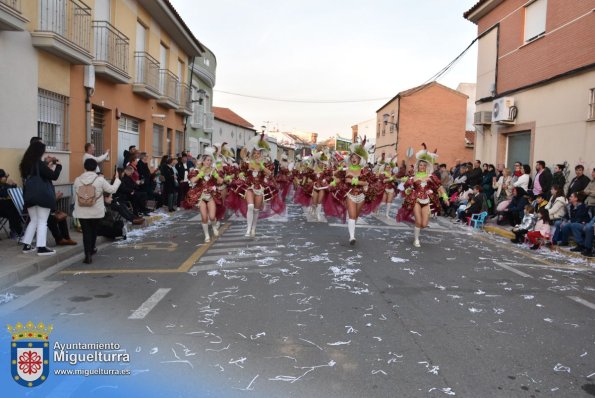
{"points": [[39, 192]]}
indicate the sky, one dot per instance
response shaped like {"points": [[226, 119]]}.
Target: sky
{"points": [[322, 50]]}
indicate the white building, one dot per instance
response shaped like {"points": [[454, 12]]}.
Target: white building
{"points": [[230, 127]]}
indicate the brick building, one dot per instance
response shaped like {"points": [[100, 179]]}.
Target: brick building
{"points": [[535, 81], [431, 113]]}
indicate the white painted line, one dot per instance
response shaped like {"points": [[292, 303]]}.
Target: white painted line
{"points": [[516, 271], [272, 253], [248, 264], [582, 301], [148, 305], [248, 242], [361, 221]]}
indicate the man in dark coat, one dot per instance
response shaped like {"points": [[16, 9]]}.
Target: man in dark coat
{"points": [[475, 175], [542, 184], [558, 177], [578, 183]]}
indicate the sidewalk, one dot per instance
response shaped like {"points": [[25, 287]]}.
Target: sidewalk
{"points": [[15, 266]]}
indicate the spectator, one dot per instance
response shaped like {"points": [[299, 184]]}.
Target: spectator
{"points": [[124, 211], [456, 170], [7, 207], [518, 171], [476, 205], [445, 178], [503, 188], [578, 216], [58, 226], [127, 154], [144, 174], [90, 154], [588, 231], [89, 216], [129, 190], [528, 223], [475, 175], [109, 226], [539, 202], [460, 180], [590, 194], [543, 180], [524, 180], [558, 178], [170, 184], [182, 176], [514, 211], [42, 198], [487, 183], [542, 230], [556, 207], [579, 182]]}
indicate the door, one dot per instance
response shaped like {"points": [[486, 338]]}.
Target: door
{"points": [[140, 47], [102, 43], [128, 134], [519, 149], [162, 65]]}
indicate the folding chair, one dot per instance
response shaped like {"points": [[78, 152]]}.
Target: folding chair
{"points": [[478, 220], [16, 195], [3, 222]]}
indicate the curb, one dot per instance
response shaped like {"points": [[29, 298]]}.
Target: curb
{"points": [[508, 234]]}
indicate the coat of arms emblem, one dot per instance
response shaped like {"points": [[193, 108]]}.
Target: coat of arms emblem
{"points": [[30, 353]]}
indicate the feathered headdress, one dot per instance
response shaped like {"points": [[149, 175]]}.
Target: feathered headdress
{"points": [[226, 152], [426, 156], [360, 150], [210, 151], [259, 143]]}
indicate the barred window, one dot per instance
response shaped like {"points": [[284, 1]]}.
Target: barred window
{"points": [[157, 140], [52, 110]]}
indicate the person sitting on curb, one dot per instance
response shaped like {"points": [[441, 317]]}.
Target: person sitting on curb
{"points": [[556, 207], [525, 226], [542, 231], [539, 202], [58, 226], [109, 226], [7, 207], [579, 182], [515, 208], [590, 194], [578, 217]]}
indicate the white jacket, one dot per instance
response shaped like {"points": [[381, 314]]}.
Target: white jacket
{"points": [[557, 208], [523, 182], [101, 186]]}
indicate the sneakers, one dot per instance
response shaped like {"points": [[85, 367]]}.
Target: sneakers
{"points": [[28, 249], [577, 249], [416, 243], [44, 251]]}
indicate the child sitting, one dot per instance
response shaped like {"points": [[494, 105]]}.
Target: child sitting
{"points": [[525, 226], [541, 232]]}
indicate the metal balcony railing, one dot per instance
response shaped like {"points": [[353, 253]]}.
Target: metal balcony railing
{"points": [[168, 84], [184, 97], [70, 19], [14, 4], [111, 45], [147, 70]]}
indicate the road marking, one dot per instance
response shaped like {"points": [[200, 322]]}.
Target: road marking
{"points": [[398, 228], [582, 301], [148, 305], [12, 307], [247, 243], [215, 258], [516, 271]]}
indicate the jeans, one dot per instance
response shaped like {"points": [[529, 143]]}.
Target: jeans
{"points": [[171, 201], [38, 224], [59, 230], [577, 232], [89, 227], [558, 225], [588, 231]]}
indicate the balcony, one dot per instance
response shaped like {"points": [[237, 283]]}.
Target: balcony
{"points": [[146, 81], [198, 116], [10, 15], [111, 52], [64, 29], [209, 117], [168, 84], [185, 107]]}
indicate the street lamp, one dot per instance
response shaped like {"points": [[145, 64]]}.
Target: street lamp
{"points": [[385, 118]]}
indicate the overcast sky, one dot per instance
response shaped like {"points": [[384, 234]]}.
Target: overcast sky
{"points": [[328, 50]]}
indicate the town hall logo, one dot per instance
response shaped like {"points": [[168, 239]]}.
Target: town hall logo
{"points": [[30, 353]]}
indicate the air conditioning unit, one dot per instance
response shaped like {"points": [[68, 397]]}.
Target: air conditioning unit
{"points": [[481, 118], [504, 110]]}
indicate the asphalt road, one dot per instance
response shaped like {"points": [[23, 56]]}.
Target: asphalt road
{"points": [[297, 312]]}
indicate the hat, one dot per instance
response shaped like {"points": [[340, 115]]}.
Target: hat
{"points": [[225, 152], [3, 173], [360, 150], [428, 157], [210, 151], [258, 143]]}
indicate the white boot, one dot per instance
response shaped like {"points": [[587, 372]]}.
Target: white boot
{"points": [[249, 218], [416, 237], [253, 232], [205, 229], [215, 226], [387, 209], [319, 212], [351, 229]]}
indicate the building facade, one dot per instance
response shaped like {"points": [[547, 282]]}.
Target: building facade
{"points": [[111, 72], [431, 113], [230, 127], [199, 127], [535, 81]]}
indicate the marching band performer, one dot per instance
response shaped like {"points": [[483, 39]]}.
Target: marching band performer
{"points": [[421, 190]]}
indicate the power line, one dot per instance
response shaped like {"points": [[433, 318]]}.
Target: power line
{"points": [[434, 77]]}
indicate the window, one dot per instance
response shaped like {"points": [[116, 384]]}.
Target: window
{"points": [[207, 62], [157, 140], [592, 104], [378, 130], [535, 15], [383, 131], [52, 111], [179, 142], [198, 109]]}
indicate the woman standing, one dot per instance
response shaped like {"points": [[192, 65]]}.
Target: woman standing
{"points": [[205, 195], [322, 177], [170, 182], [92, 211], [387, 178], [41, 198], [357, 182], [421, 190]]}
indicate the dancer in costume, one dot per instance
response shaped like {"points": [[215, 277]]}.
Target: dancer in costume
{"points": [[321, 179], [204, 193], [356, 179], [387, 180], [284, 178], [421, 190]]}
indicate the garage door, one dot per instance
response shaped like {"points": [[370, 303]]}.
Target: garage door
{"points": [[519, 149]]}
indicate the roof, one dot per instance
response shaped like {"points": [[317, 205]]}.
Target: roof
{"points": [[417, 89], [482, 8], [228, 116], [181, 21]]}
